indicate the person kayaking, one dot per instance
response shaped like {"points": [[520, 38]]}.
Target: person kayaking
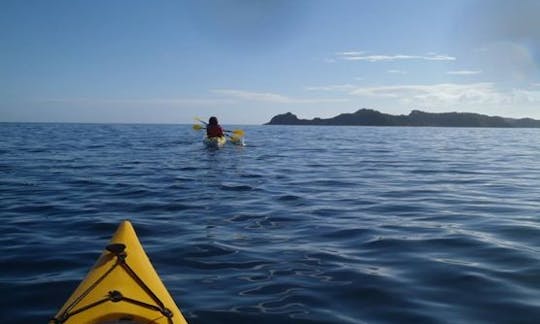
{"points": [[213, 129]]}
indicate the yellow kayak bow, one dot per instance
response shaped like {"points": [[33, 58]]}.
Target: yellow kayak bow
{"points": [[122, 287]]}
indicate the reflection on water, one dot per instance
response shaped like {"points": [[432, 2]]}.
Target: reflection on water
{"points": [[359, 224]]}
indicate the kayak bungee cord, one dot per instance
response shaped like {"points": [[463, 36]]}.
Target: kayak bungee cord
{"points": [[115, 296]]}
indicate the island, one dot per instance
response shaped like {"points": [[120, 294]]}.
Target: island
{"points": [[370, 117]]}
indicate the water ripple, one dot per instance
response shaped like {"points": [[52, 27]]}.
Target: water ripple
{"points": [[357, 225]]}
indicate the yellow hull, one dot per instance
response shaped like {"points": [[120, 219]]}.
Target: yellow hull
{"points": [[122, 287], [215, 142]]}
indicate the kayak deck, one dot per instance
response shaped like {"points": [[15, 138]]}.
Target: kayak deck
{"points": [[215, 142], [219, 142], [122, 287]]}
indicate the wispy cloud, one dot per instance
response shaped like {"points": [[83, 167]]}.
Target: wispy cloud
{"points": [[272, 97], [351, 53], [464, 72], [442, 95], [147, 101], [396, 72], [218, 97], [362, 56], [336, 87], [437, 94]]}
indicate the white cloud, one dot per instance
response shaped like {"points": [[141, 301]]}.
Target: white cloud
{"points": [[350, 53], [445, 94], [361, 56], [448, 95], [482, 97], [464, 72], [148, 101], [442, 93], [253, 96], [221, 97], [396, 72], [336, 87], [272, 97]]}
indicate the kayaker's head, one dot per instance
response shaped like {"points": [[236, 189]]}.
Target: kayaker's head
{"points": [[212, 121]]}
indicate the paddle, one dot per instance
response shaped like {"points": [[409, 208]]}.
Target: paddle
{"points": [[237, 132], [200, 120], [198, 127]]}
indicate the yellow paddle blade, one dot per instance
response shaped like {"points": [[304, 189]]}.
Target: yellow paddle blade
{"points": [[238, 132], [200, 120], [235, 139], [198, 127]]}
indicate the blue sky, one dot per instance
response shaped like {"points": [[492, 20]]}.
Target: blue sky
{"points": [[245, 61]]}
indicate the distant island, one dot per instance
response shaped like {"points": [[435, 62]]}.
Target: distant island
{"points": [[370, 117]]}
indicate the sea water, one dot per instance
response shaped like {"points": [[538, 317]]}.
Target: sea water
{"points": [[302, 225]]}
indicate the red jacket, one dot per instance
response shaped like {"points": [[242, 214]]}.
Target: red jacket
{"points": [[214, 131]]}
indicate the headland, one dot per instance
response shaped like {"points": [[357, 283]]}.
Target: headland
{"points": [[370, 117]]}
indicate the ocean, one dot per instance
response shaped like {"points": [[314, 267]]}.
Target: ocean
{"points": [[304, 224]]}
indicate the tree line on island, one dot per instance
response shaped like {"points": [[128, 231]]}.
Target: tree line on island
{"points": [[370, 117]]}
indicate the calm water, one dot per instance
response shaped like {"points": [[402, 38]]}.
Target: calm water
{"points": [[303, 225]]}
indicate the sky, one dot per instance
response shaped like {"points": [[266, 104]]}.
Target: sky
{"points": [[244, 61]]}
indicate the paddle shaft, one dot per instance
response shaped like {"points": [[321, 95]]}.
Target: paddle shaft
{"points": [[236, 132]]}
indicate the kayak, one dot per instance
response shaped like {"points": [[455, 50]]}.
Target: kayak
{"points": [[215, 142], [122, 287]]}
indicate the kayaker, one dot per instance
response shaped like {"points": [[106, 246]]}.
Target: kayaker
{"points": [[213, 129]]}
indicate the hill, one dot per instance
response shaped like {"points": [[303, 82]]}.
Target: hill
{"points": [[370, 117]]}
